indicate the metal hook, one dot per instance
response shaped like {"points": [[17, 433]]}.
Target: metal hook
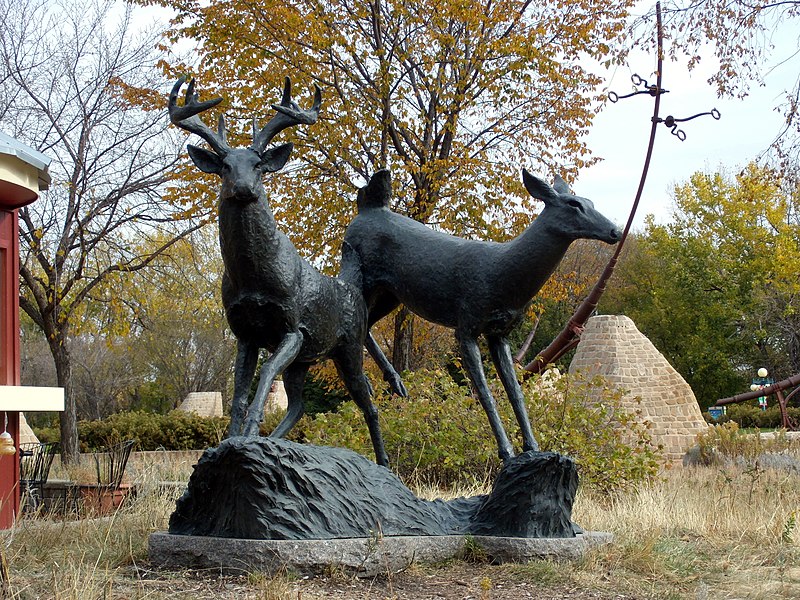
{"points": [[652, 90], [672, 122]]}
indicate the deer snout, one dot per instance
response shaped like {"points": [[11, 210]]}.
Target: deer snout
{"points": [[244, 192], [614, 235]]}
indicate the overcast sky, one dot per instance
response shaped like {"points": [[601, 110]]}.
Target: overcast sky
{"points": [[621, 132]]}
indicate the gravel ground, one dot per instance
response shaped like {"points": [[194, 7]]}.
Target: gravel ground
{"points": [[456, 581]]}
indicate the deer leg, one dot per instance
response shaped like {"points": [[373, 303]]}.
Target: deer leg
{"points": [[389, 374], [283, 356], [501, 357], [350, 364], [293, 378], [471, 355], [244, 369]]}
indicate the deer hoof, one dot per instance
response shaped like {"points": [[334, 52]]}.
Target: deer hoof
{"points": [[532, 447], [506, 454], [397, 386]]}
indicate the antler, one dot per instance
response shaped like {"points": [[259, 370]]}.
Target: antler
{"points": [[289, 114], [186, 117]]}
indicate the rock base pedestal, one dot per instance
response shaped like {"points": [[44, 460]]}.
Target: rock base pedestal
{"points": [[267, 504], [363, 557], [273, 489]]}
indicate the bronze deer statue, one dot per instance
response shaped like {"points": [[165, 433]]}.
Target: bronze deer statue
{"points": [[274, 299], [476, 288]]}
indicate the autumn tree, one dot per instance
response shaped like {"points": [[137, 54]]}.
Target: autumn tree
{"points": [[716, 289], [453, 96], [178, 338], [66, 67]]}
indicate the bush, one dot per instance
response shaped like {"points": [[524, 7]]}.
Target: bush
{"points": [[176, 430], [586, 419], [47, 434], [727, 441], [748, 416], [440, 435]]}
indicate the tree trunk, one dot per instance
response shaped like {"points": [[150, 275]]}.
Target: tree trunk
{"points": [[70, 448], [403, 340]]}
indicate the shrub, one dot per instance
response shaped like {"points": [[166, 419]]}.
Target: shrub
{"points": [[748, 416], [47, 434], [727, 441], [176, 430], [586, 419], [440, 435]]}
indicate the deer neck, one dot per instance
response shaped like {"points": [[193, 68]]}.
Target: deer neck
{"points": [[247, 236], [532, 257]]}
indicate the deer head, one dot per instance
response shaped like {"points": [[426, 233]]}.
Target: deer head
{"points": [[240, 169], [573, 217]]}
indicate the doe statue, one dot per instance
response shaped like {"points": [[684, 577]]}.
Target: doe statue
{"points": [[274, 299], [476, 288]]}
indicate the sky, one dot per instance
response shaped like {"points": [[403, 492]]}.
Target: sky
{"points": [[621, 132]]}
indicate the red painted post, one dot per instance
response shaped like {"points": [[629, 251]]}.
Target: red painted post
{"points": [[9, 357], [23, 172]]}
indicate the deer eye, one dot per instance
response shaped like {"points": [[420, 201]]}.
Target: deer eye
{"points": [[575, 204]]}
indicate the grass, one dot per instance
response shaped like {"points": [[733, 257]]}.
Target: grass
{"points": [[702, 531], [699, 533]]}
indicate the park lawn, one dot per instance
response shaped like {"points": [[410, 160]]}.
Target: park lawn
{"points": [[700, 532]]}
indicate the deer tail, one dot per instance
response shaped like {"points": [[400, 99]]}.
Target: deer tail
{"points": [[377, 193]]}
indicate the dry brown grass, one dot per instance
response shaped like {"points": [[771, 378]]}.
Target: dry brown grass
{"points": [[699, 533]]}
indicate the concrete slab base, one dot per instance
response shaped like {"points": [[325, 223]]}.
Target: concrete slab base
{"points": [[364, 557]]}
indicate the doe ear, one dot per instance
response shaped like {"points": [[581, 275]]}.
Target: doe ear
{"points": [[539, 188], [275, 158], [561, 186], [205, 160]]}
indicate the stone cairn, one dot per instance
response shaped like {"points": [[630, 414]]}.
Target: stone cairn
{"points": [[26, 434], [277, 399], [613, 347], [203, 404], [209, 404]]}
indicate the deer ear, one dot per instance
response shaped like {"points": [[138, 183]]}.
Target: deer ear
{"points": [[275, 158], [538, 188], [205, 160], [561, 186]]}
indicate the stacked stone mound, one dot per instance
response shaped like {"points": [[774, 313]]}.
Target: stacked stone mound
{"points": [[203, 404], [613, 347], [26, 435], [277, 399]]}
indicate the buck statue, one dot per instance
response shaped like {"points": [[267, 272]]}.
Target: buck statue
{"points": [[274, 299], [476, 288]]}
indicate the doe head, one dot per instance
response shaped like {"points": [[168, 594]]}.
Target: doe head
{"points": [[571, 216]]}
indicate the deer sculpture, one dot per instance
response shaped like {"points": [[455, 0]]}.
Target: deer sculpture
{"points": [[476, 288], [274, 299]]}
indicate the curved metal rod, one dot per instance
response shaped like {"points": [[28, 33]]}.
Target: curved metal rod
{"points": [[765, 391], [671, 122], [652, 90], [571, 331]]}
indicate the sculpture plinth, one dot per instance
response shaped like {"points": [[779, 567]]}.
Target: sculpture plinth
{"points": [[269, 488]]}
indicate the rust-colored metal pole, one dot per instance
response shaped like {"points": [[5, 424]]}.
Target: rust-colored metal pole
{"points": [[775, 388], [570, 335], [782, 406]]}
